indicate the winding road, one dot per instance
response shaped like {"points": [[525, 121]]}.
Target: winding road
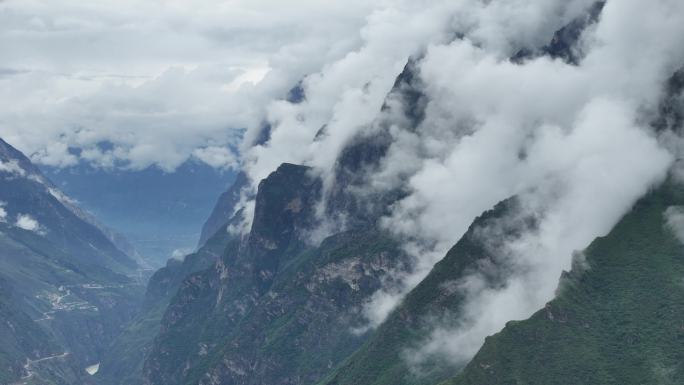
{"points": [[28, 367]]}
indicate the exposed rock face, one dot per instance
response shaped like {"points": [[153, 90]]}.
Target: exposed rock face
{"points": [[245, 276], [273, 309]]}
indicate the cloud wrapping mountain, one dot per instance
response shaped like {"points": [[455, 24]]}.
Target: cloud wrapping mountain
{"points": [[572, 141], [495, 129]]}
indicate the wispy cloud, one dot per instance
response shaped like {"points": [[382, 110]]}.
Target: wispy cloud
{"points": [[3, 212], [27, 222], [12, 167]]}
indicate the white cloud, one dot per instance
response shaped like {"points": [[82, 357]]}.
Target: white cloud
{"points": [[674, 219], [463, 158], [179, 254], [586, 182], [27, 222], [12, 167], [62, 197], [572, 141], [217, 157], [346, 94], [3, 212], [134, 83]]}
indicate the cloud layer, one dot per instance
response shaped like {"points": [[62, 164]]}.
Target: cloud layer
{"points": [[135, 83]]}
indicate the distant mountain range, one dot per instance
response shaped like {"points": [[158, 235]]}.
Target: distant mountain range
{"points": [[159, 212]]}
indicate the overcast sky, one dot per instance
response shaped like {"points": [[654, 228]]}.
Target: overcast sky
{"points": [[162, 80]]}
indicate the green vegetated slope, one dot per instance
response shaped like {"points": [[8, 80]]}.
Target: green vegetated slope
{"points": [[19, 336], [49, 307], [618, 318], [65, 288]]}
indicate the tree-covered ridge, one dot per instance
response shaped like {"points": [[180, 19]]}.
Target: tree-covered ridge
{"points": [[617, 318]]}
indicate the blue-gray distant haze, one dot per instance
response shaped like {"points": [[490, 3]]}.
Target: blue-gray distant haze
{"points": [[160, 213]]}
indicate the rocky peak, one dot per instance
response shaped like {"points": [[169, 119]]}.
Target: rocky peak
{"points": [[564, 44], [284, 211]]}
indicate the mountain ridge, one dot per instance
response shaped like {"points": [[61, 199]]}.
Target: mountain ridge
{"points": [[66, 288]]}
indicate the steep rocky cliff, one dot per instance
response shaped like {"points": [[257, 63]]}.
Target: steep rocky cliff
{"points": [[274, 309]]}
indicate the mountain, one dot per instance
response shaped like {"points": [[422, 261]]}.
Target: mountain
{"points": [[278, 308], [125, 357], [546, 349], [65, 288], [279, 289], [123, 361], [34, 204], [617, 317], [273, 309], [382, 359]]}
